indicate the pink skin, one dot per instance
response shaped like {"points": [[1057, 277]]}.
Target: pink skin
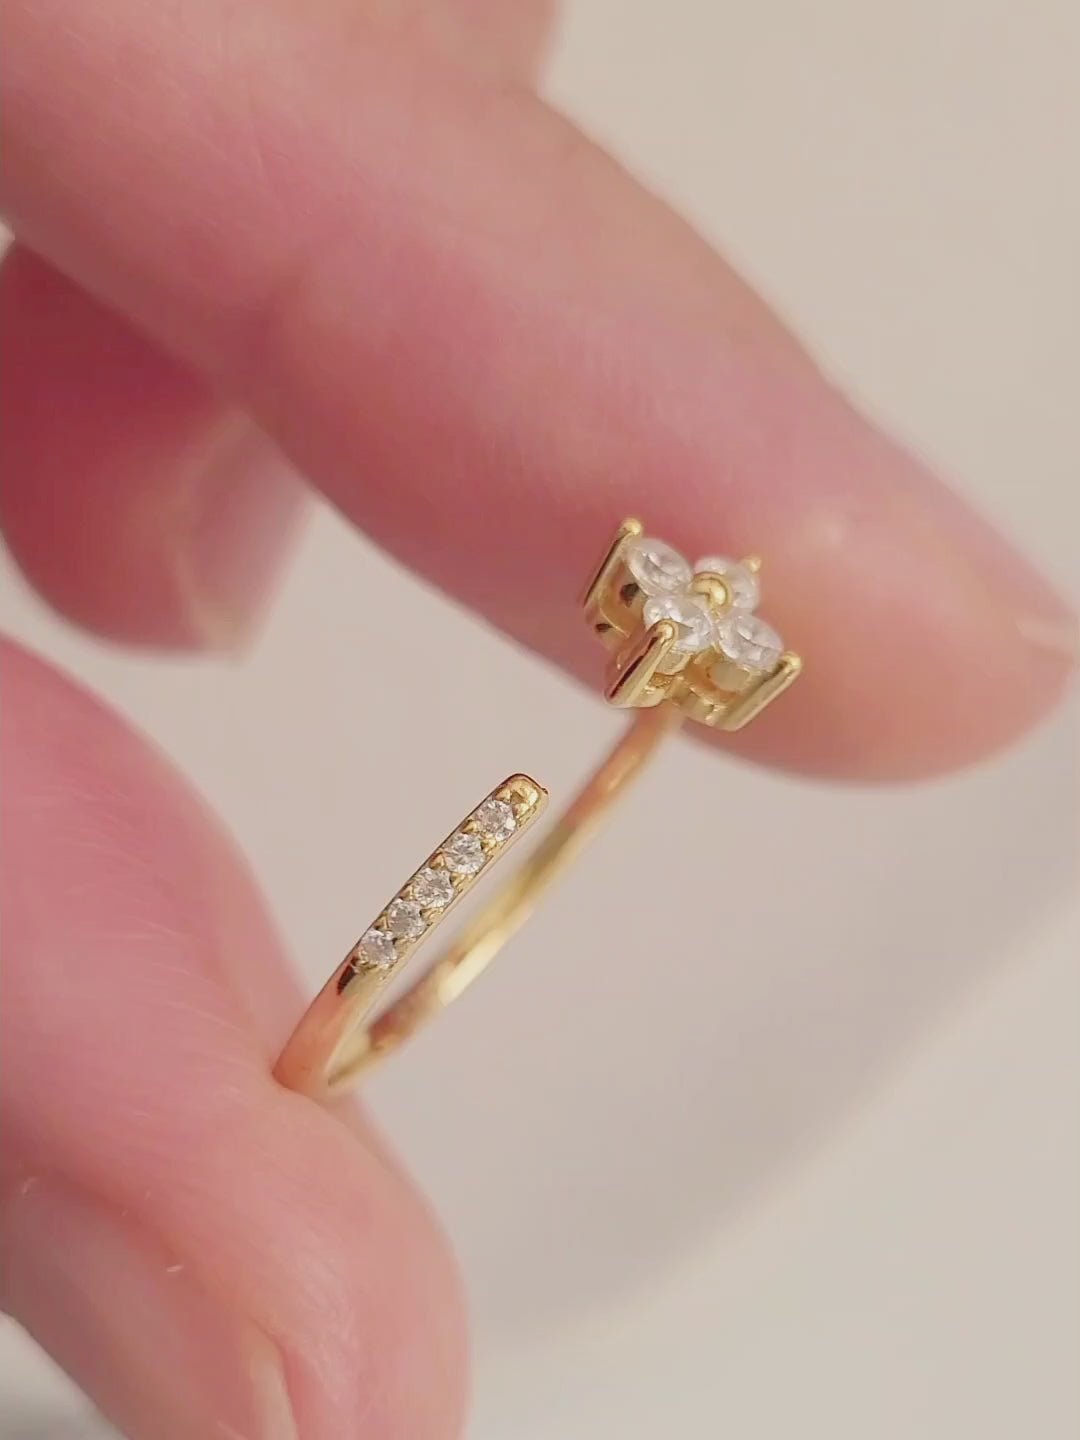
{"points": [[144, 996], [192, 506], [194, 509], [485, 344]]}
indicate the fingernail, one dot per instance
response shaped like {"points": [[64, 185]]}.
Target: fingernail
{"points": [[1057, 636], [134, 1326], [240, 518], [1040, 616], [976, 564]]}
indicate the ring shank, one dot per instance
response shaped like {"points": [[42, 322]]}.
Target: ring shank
{"points": [[336, 1041]]}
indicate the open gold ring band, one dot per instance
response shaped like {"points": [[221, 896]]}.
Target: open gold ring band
{"points": [[686, 643]]}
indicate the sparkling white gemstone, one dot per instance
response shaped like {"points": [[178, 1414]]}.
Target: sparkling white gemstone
{"points": [[656, 567], [376, 949], [748, 640], [692, 618], [743, 583], [432, 889], [464, 853], [403, 920], [495, 820]]}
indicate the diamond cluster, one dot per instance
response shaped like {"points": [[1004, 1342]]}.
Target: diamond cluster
{"points": [[438, 883], [665, 578]]}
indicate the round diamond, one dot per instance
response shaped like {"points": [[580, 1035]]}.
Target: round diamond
{"points": [[376, 949], [743, 583], [403, 920], [432, 889], [495, 820], [747, 639], [464, 853], [691, 617], [657, 568]]}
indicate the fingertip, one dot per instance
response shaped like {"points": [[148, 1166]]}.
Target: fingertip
{"points": [[929, 641], [233, 527], [134, 501], [133, 1324]]}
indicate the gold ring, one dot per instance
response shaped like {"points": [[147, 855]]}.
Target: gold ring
{"points": [[686, 643]]}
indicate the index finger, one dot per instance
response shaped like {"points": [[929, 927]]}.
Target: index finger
{"points": [[486, 344]]}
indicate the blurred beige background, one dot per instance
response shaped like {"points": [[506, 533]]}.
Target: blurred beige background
{"points": [[827, 1182]]}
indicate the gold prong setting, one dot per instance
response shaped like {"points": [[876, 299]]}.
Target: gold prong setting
{"points": [[723, 664], [445, 877]]}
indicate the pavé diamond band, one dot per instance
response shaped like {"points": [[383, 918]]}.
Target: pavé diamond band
{"points": [[686, 643]]}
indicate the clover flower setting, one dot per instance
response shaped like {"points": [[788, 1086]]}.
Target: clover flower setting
{"points": [[666, 579]]}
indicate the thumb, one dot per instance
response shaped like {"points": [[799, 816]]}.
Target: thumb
{"points": [[204, 1252]]}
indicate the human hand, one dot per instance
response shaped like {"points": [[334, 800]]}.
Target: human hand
{"points": [[486, 345]]}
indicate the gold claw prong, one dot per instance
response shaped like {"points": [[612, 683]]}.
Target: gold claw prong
{"points": [[636, 665], [710, 688], [630, 529], [754, 700], [523, 794]]}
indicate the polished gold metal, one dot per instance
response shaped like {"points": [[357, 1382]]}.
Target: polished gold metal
{"points": [[342, 1033], [706, 688]]}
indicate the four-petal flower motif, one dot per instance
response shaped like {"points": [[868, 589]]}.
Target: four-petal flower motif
{"points": [[666, 579]]}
